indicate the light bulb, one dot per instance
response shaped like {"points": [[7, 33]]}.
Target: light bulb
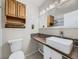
{"points": [[63, 1], [44, 11], [52, 6], [40, 13], [47, 9]]}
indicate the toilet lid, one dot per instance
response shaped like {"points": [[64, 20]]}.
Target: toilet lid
{"points": [[17, 55]]}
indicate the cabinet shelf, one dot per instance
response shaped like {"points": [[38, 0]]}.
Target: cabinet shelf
{"points": [[11, 24], [15, 17], [15, 23]]}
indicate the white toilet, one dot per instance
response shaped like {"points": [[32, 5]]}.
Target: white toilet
{"points": [[16, 46]]}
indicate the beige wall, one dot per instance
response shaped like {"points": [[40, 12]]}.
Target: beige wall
{"points": [[13, 33], [68, 32]]}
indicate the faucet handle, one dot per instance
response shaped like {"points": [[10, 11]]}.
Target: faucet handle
{"points": [[61, 33]]}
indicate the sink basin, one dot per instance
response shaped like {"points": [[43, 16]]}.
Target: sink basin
{"points": [[63, 45]]}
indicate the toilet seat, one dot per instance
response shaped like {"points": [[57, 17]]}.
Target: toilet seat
{"points": [[17, 55]]}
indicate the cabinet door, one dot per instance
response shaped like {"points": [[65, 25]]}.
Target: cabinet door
{"points": [[55, 55], [47, 52], [11, 7], [21, 10], [51, 54]]}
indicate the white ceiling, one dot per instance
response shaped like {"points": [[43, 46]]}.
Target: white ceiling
{"points": [[38, 2], [35, 2]]}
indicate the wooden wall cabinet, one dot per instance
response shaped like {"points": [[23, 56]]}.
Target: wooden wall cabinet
{"points": [[50, 21], [15, 14]]}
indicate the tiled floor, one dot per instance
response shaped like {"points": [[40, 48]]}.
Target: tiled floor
{"points": [[35, 56]]}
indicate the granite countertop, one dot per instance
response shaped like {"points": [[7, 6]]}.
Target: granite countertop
{"points": [[42, 39]]}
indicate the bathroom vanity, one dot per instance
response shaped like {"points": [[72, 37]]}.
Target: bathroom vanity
{"points": [[48, 49]]}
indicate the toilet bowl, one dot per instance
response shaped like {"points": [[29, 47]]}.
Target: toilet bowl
{"points": [[17, 55], [16, 49]]}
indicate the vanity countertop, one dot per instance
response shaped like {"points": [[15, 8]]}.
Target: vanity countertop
{"points": [[42, 39]]}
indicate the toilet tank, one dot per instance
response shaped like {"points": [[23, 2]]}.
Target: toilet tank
{"points": [[15, 44]]}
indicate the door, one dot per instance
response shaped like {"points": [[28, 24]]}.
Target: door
{"points": [[21, 10], [11, 7]]}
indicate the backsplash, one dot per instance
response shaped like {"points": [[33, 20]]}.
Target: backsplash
{"points": [[67, 32]]}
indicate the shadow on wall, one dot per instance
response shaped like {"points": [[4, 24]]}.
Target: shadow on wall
{"points": [[6, 51]]}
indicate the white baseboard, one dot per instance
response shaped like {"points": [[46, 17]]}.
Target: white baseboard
{"points": [[31, 53]]}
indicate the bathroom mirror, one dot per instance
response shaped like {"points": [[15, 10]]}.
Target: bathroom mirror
{"points": [[58, 12]]}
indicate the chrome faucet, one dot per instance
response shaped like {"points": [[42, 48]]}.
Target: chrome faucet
{"points": [[61, 34]]}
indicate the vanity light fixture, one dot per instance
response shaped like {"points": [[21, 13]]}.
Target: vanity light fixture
{"points": [[56, 4], [47, 9], [63, 3], [52, 6], [42, 12]]}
